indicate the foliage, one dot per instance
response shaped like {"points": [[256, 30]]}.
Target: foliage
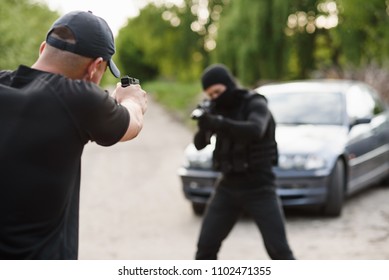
{"points": [[178, 97], [303, 37], [136, 49], [363, 35], [23, 27], [259, 40], [160, 41], [251, 39]]}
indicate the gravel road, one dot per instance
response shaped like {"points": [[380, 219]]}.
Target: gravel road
{"points": [[133, 207]]}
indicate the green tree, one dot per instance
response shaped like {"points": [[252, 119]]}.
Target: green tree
{"points": [[23, 27], [259, 40], [337, 35], [160, 41], [363, 33], [170, 41], [251, 39], [302, 37]]}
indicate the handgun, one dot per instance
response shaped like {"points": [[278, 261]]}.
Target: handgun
{"points": [[127, 80]]}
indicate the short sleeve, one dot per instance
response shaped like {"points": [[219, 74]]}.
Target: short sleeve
{"points": [[95, 113]]}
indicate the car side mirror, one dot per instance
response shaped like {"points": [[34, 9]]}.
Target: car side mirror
{"points": [[357, 121]]}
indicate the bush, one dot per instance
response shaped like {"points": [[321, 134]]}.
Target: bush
{"points": [[373, 74], [178, 98]]}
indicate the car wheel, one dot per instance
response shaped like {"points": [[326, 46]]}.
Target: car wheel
{"points": [[385, 181], [198, 208], [335, 191]]}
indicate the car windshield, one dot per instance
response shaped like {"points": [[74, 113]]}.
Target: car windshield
{"points": [[319, 108]]}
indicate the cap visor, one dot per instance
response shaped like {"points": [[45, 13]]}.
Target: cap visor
{"points": [[114, 70]]}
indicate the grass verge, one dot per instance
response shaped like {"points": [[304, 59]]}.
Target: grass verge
{"points": [[178, 98]]}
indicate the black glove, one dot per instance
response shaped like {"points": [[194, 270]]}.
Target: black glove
{"points": [[210, 122]]}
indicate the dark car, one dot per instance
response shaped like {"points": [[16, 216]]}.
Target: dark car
{"points": [[333, 140]]}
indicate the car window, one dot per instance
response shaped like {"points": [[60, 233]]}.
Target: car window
{"points": [[306, 108], [360, 103], [379, 105]]}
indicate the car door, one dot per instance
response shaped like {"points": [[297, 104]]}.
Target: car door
{"points": [[380, 129], [362, 140]]}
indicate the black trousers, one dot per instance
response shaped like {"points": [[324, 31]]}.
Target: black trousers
{"points": [[225, 209]]}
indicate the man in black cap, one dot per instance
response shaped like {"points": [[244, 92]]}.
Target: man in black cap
{"points": [[245, 152], [48, 112]]}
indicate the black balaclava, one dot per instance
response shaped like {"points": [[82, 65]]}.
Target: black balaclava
{"points": [[219, 74]]}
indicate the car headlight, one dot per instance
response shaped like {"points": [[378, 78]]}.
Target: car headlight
{"points": [[301, 162], [199, 160]]}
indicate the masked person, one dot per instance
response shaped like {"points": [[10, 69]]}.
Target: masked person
{"points": [[245, 152], [48, 112]]}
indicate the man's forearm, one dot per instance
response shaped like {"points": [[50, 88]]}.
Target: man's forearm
{"points": [[136, 120]]}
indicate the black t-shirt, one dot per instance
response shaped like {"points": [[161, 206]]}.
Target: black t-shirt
{"points": [[45, 121]]}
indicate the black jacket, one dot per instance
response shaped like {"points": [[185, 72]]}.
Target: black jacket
{"points": [[246, 148]]}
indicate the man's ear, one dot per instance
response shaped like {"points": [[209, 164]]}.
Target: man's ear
{"points": [[95, 70], [94, 67], [42, 47]]}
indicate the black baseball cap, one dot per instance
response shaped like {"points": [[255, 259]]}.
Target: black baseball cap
{"points": [[93, 37]]}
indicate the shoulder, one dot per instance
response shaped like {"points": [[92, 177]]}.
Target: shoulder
{"points": [[4, 73], [253, 95], [255, 103], [6, 76], [253, 98], [84, 100], [79, 86], [78, 90]]}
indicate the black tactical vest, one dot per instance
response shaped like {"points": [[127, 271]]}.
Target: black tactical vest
{"points": [[235, 156]]}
